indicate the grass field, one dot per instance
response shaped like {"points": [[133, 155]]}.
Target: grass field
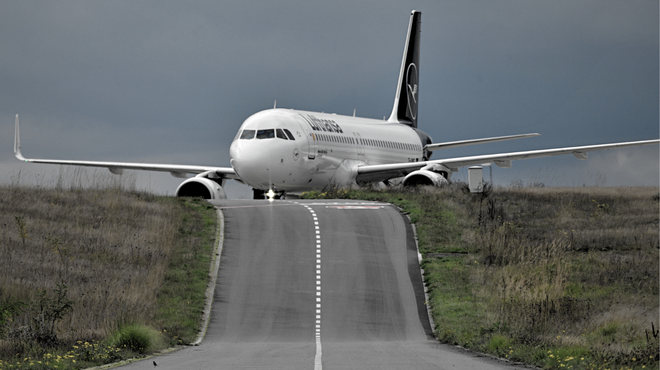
{"points": [[558, 278], [92, 276]]}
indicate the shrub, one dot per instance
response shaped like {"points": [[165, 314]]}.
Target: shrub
{"points": [[499, 344], [137, 338]]}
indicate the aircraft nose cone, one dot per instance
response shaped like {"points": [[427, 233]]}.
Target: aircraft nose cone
{"points": [[250, 163]]}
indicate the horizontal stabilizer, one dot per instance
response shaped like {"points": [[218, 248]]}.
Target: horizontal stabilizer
{"points": [[456, 144]]}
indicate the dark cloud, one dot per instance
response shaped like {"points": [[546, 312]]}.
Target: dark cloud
{"points": [[171, 81]]}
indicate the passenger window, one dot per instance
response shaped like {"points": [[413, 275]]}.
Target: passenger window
{"points": [[280, 134], [289, 134], [266, 134], [247, 134]]}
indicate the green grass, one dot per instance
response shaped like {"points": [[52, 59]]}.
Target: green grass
{"points": [[453, 306], [182, 297]]}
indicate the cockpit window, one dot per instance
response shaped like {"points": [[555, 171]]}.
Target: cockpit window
{"points": [[247, 134], [280, 134], [289, 134], [266, 134]]}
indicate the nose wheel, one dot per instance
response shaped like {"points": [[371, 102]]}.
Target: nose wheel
{"points": [[263, 194]]}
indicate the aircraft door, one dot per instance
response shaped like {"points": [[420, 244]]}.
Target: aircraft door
{"points": [[360, 147], [311, 139]]}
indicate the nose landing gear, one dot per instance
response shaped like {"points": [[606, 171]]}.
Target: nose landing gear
{"points": [[263, 194]]}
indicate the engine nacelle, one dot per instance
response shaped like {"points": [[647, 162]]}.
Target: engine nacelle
{"points": [[424, 178], [201, 187]]}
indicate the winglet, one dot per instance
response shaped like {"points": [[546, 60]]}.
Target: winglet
{"points": [[17, 143]]}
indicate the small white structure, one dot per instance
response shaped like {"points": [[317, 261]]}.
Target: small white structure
{"points": [[475, 179]]}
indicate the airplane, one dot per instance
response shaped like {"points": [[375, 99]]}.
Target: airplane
{"points": [[281, 151]]}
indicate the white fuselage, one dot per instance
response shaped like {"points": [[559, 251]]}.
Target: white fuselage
{"points": [[324, 150]]}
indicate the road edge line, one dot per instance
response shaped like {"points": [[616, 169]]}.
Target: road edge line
{"points": [[210, 289], [421, 269]]}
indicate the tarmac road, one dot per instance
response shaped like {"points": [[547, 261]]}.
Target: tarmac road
{"points": [[318, 284]]}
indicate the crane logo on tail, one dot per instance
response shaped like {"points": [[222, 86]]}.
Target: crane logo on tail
{"points": [[411, 82]]}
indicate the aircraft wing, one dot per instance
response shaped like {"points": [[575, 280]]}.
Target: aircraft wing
{"points": [[117, 168], [383, 172]]}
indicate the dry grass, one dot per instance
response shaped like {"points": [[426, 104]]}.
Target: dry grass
{"points": [[109, 247], [567, 267], [91, 255]]}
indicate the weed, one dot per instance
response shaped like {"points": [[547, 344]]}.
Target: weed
{"points": [[22, 230], [9, 310], [40, 317]]}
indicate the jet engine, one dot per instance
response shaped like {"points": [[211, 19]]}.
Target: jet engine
{"points": [[431, 175], [201, 187]]}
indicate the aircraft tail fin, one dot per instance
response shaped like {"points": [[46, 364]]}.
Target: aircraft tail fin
{"points": [[405, 101]]}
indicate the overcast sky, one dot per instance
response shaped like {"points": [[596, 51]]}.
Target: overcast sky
{"points": [[171, 81]]}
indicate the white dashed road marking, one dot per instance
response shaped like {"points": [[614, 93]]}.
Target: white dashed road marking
{"points": [[317, 232], [317, 333]]}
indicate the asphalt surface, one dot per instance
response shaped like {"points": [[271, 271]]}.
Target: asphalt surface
{"points": [[318, 285]]}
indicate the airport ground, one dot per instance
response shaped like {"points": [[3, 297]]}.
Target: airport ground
{"points": [[592, 253]]}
